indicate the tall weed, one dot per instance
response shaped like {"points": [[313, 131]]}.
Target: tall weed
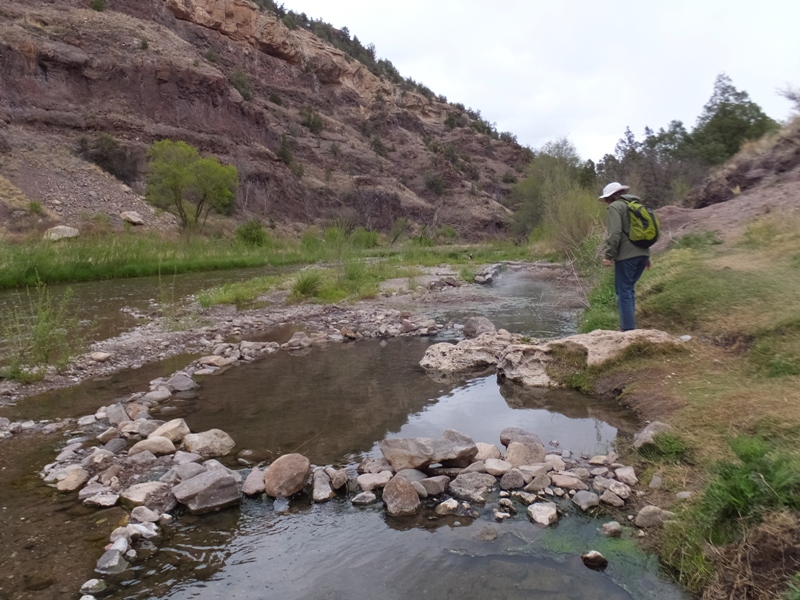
{"points": [[39, 331]]}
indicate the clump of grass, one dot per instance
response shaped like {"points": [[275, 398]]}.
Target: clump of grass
{"points": [[39, 331], [467, 274], [776, 352], [667, 448], [98, 5], [307, 284], [211, 55], [35, 208], [698, 240], [238, 293], [362, 238], [312, 120]]}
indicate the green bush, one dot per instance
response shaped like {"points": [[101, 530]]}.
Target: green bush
{"points": [[98, 5], [379, 147], [275, 99], [35, 208], [144, 43], [252, 234], [241, 82]]}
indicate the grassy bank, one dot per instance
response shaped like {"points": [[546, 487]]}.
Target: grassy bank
{"points": [[132, 254], [733, 397]]}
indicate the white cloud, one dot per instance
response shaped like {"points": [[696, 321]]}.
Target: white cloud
{"points": [[580, 68]]}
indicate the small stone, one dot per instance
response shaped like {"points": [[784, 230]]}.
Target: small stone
{"points": [[543, 513], [652, 516], [158, 445], [87, 420], [74, 480], [254, 484], [144, 515], [585, 500], [609, 497], [100, 357], [655, 482], [594, 560], [611, 529], [364, 498], [448, 507], [109, 434], [371, 481], [627, 475], [497, 467], [684, 495], [111, 563], [93, 586]]}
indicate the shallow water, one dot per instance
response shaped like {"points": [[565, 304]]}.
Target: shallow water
{"points": [[334, 405]]}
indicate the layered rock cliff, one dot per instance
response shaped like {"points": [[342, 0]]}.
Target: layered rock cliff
{"points": [[314, 133]]}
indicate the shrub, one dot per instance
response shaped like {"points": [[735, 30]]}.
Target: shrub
{"points": [[211, 55], [144, 43], [509, 177], [35, 208], [98, 5], [241, 82], [698, 240], [252, 234], [435, 182], [379, 147], [361, 238], [275, 99], [312, 120], [108, 154]]}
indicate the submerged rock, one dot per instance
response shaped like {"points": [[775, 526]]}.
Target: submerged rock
{"points": [[475, 487]]}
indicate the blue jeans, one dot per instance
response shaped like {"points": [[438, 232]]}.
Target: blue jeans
{"points": [[626, 274]]}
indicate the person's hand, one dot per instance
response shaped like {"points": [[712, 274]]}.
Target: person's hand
{"points": [[607, 263], [648, 265]]}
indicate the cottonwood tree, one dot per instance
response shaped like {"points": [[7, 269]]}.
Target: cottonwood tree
{"points": [[187, 185]]}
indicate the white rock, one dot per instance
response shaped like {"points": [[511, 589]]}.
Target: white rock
{"points": [[543, 513]]}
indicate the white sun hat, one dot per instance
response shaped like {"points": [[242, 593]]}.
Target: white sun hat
{"points": [[613, 188]]}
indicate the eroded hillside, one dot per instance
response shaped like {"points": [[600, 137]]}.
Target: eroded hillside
{"points": [[315, 135]]}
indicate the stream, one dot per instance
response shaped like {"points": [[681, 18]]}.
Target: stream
{"points": [[333, 405]]}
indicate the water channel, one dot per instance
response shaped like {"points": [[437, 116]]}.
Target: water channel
{"points": [[333, 405]]}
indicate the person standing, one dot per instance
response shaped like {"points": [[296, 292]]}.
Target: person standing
{"points": [[629, 260]]}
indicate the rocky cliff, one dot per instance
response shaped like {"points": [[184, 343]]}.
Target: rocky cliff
{"points": [[314, 133]]}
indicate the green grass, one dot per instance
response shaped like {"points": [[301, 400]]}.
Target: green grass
{"points": [[667, 448], [698, 240], [39, 331]]}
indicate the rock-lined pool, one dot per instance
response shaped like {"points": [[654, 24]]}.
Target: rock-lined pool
{"points": [[334, 405]]}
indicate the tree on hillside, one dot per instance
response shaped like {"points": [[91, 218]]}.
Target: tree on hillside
{"points": [[182, 183], [728, 120], [665, 165]]}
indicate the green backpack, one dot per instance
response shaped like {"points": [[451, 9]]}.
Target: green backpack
{"points": [[645, 227]]}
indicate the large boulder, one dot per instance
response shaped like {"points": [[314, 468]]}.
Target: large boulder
{"points": [[467, 355], [453, 447], [474, 487], [209, 444], [287, 475], [212, 490], [401, 497], [60, 232], [528, 363], [132, 217]]}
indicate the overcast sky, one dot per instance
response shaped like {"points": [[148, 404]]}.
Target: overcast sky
{"points": [[581, 68]]}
